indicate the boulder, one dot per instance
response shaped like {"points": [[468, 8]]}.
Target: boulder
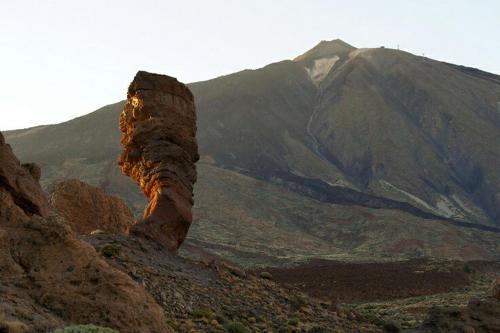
{"points": [[87, 208], [158, 126]]}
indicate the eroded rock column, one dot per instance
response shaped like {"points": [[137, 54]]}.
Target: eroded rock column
{"points": [[158, 126]]}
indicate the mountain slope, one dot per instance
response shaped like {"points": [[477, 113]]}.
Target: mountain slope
{"points": [[381, 121], [364, 129], [386, 113]]}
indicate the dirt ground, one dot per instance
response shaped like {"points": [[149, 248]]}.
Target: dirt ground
{"points": [[343, 282], [401, 292]]}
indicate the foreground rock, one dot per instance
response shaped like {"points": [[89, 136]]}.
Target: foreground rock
{"points": [[48, 277], [158, 126], [88, 208]]}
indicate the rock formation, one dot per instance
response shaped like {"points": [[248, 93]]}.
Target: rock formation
{"points": [[88, 208], [48, 277], [158, 126], [20, 182]]}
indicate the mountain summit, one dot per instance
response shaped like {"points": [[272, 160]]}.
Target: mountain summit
{"points": [[320, 60], [326, 49]]}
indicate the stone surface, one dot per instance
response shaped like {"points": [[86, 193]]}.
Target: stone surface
{"points": [[48, 277], [158, 126], [87, 208]]}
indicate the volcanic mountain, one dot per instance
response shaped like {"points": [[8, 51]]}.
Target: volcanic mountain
{"points": [[340, 152]]}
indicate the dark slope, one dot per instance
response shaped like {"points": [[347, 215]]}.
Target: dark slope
{"points": [[420, 125]]}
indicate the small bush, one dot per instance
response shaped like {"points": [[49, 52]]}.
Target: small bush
{"points": [[237, 327], [110, 250], [203, 312], [84, 329], [266, 275], [468, 269], [373, 318], [221, 319], [319, 330], [391, 327], [298, 301]]}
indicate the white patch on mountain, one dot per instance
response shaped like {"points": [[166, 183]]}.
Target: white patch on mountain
{"points": [[320, 68]]}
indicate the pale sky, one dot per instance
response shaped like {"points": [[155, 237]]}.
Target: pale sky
{"points": [[66, 58]]}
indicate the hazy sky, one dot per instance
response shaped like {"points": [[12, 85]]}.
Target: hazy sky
{"points": [[62, 59]]}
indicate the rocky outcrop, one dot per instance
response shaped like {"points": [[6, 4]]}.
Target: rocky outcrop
{"points": [[158, 126], [87, 208], [21, 182], [48, 277]]}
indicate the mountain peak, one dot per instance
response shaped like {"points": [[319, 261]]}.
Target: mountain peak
{"points": [[325, 49]]}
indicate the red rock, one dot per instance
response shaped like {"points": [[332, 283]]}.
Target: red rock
{"points": [[48, 277], [158, 126], [87, 208], [21, 183]]}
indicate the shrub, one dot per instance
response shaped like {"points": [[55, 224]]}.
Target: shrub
{"points": [[221, 319], [84, 329], [391, 327], [266, 275], [319, 330], [237, 327], [468, 269], [110, 250], [203, 312], [298, 301]]}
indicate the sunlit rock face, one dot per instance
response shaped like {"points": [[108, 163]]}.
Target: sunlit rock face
{"points": [[158, 126], [88, 208]]}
